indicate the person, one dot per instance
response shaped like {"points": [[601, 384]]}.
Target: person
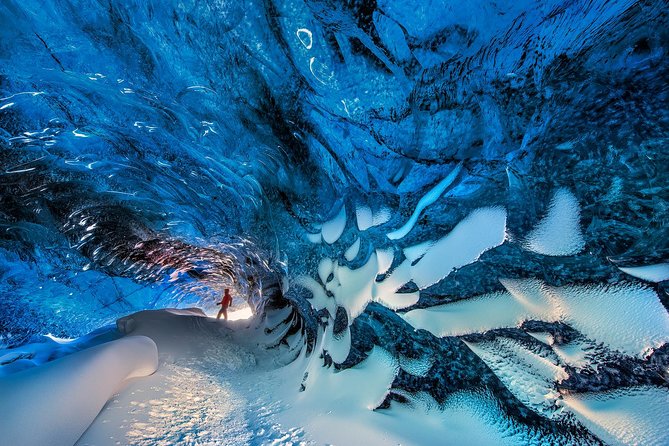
{"points": [[224, 303]]}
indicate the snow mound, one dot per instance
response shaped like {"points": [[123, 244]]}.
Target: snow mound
{"points": [[49, 348], [188, 335], [55, 403], [190, 399]]}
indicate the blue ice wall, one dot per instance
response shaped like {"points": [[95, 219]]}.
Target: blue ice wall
{"points": [[152, 153]]}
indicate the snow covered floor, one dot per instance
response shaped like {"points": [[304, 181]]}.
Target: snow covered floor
{"points": [[216, 383], [204, 392], [208, 387]]}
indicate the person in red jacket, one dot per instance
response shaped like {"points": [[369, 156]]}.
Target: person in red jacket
{"points": [[224, 303]]}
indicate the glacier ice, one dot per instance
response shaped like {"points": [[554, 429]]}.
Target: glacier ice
{"points": [[430, 197], [464, 198]]}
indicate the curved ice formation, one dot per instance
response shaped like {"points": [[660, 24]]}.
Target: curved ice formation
{"points": [[651, 273], [55, 403], [430, 197]]}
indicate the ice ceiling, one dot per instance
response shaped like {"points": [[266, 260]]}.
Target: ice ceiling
{"points": [[478, 188]]}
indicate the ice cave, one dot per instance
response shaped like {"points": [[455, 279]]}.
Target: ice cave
{"points": [[440, 222]]}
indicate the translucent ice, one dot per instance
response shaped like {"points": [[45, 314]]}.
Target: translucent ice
{"points": [[430, 197]]}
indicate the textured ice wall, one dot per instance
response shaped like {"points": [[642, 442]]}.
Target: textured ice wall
{"points": [[153, 153]]}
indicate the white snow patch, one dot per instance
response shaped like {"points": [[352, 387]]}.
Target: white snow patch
{"points": [[385, 258], [238, 315], [483, 229], [325, 268], [574, 354], [625, 416], [430, 197], [559, 232], [337, 346], [529, 376], [359, 388], [651, 273], [354, 288], [333, 229], [366, 218], [319, 299], [353, 250], [415, 252], [180, 404], [474, 315], [394, 281], [625, 317], [398, 301], [385, 292]]}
